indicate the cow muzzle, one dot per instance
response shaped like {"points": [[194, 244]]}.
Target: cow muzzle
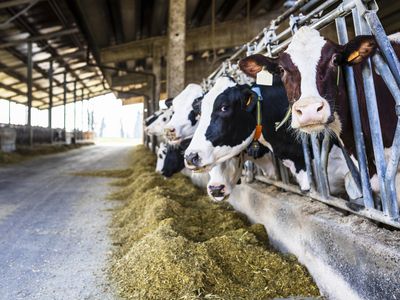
{"points": [[170, 134], [310, 114], [217, 192]]}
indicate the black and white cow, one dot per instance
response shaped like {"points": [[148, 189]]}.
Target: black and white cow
{"points": [[226, 175], [227, 127], [161, 153], [184, 122], [310, 70], [157, 121], [174, 158]]}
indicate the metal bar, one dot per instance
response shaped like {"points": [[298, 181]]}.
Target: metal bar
{"points": [[12, 3], [283, 173], [356, 120], [392, 165], [321, 182], [50, 93], [9, 112], [342, 10], [40, 37], [372, 214], [50, 125], [82, 95], [384, 44], [65, 106], [324, 159], [307, 160], [75, 134], [29, 64], [373, 115]]}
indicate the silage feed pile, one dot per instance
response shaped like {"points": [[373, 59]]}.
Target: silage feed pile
{"points": [[172, 242]]}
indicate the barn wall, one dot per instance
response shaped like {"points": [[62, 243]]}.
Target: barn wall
{"points": [[349, 257]]}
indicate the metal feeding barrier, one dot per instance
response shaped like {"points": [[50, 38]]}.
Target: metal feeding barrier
{"points": [[365, 21]]}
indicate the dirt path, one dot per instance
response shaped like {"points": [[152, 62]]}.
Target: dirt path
{"points": [[53, 226]]}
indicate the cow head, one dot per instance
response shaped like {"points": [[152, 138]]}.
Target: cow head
{"points": [[309, 69], [161, 153], [156, 127], [223, 178], [226, 125], [183, 124], [174, 159]]}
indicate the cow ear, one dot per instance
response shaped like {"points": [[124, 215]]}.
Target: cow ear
{"points": [[248, 98], [358, 49], [253, 64], [168, 102]]}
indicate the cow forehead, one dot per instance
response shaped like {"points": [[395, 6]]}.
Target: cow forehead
{"points": [[305, 52], [187, 96]]}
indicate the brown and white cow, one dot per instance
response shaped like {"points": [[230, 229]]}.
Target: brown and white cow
{"points": [[310, 70]]}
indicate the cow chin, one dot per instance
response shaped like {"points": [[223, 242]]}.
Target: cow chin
{"points": [[330, 125]]}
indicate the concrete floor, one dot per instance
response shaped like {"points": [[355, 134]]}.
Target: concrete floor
{"points": [[53, 226]]}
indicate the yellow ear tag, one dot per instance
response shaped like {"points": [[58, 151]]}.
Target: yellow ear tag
{"points": [[248, 101], [353, 56]]}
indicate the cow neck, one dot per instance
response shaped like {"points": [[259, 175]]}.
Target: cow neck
{"points": [[258, 131]]}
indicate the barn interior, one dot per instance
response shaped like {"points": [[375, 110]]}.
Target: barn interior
{"points": [[63, 55]]}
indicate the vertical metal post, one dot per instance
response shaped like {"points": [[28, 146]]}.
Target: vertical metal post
{"points": [[75, 134], [29, 83], [176, 47], [307, 160], [391, 170], [373, 114], [9, 112], [356, 120], [321, 179], [50, 125], [65, 106], [82, 112], [325, 158]]}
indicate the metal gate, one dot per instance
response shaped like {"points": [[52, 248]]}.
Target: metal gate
{"points": [[363, 16]]}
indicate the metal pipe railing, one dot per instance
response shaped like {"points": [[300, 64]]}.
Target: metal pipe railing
{"points": [[365, 21]]}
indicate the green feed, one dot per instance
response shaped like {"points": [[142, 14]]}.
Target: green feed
{"points": [[172, 242]]}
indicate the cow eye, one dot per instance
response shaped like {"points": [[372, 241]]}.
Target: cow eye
{"points": [[281, 70], [224, 108], [335, 60], [164, 119]]}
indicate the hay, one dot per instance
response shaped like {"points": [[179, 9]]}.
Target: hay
{"points": [[23, 153], [171, 242]]}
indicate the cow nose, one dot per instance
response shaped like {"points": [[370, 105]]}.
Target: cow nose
{"points": [[311, 113], [193, 159], [170, 133], [217, 190]]}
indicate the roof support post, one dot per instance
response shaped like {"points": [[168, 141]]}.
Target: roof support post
{"points": [[9, 112], [65, 106], [176, 47], [29, 84], [157, 72], [75, 131], [50, 125], [82, 112]]}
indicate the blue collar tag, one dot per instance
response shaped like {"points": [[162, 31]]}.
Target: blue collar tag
{"points": [[256, 89]]}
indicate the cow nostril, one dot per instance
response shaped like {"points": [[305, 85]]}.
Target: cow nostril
{"points": [[217, 191], [320, 107], [299, 112]]}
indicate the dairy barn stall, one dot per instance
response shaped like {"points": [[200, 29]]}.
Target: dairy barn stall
{"points": [[212, 149]]}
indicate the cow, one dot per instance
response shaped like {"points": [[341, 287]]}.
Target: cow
{"points": [[226, 175], [227, 127], [310, 70], [161, 153], [184, 121], [174, 159], [157, 122]]}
